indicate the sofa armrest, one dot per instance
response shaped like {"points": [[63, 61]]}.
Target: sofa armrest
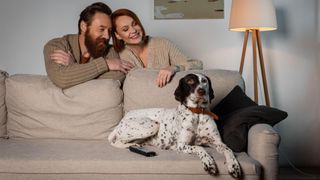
{"points": [[263, 142]]}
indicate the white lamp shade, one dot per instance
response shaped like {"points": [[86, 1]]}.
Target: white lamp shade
{"points": [[252, 14]]}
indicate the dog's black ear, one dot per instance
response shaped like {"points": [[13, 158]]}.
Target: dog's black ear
{"points": [[211, 92], [180, 92]]}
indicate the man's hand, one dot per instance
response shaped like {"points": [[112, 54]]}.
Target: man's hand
{"points": [[119, 65], [164, 76], [61, 57]]}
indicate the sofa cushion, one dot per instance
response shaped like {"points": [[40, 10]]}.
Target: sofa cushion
{"points": [[141, 91], [39, 109], [3, 111], [81, 156]]}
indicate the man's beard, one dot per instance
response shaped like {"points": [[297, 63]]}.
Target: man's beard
{"points": [[96, 47]]}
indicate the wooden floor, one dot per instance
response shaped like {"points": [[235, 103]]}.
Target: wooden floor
{"points": [[299, 174]]}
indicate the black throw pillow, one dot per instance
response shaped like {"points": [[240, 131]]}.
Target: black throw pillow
{"points": [[235, 100], [235, 126], [237, 113]]}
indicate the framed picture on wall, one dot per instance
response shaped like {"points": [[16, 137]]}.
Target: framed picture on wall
{"points": [[188, 9]]}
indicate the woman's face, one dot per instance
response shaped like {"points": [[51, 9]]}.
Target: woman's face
{"points": [[128, 30]]}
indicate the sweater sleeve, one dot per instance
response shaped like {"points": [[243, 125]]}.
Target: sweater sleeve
{"points": [[177, 58], [74, 73]]}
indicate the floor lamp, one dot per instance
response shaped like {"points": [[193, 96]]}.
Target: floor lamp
{"points": [[253, 16]]}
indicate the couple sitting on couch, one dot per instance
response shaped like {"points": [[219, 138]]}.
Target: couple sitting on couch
{"points": [[74, 59]]}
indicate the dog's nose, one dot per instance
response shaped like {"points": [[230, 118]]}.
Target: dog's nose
{"points": [[201, 91]]}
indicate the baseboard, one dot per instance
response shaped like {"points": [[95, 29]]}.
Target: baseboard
{"points": [[299, 173]]}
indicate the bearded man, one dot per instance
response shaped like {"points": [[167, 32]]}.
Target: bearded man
{"points": [[77, 58]]}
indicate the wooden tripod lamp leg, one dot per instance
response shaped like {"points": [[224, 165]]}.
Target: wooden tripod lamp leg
{"points": [[255, 71], [263, 72], [256, 41], [244, 48]]}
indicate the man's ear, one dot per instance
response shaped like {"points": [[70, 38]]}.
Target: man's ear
{"points": [[83, 26]]}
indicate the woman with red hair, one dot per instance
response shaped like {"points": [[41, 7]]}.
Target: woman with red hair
{"points": [[133, 45]]}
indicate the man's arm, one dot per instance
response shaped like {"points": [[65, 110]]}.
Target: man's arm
{"points": [[73, 73]]}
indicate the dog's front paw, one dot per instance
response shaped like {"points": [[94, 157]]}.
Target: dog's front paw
{"points": [[209, 165], [234, 169]]}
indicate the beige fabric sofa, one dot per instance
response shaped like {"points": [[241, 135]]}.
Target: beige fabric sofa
{"points": [[49, 133]]}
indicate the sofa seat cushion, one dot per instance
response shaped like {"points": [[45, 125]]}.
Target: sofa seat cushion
{"points": [[98, 156], [39, 109], [141, 91], [3, 110]]}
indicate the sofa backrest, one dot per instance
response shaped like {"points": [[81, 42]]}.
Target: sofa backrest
{"points": [[141, 91], [38, 109], [3, 111]]}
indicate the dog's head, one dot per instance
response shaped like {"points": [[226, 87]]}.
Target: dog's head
{"points": [[194, 90]]}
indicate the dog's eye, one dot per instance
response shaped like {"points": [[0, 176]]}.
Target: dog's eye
{"points": [[203, 81], [190, 81]]}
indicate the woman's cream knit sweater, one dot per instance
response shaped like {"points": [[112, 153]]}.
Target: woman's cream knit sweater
{"points": [[161, 53]]}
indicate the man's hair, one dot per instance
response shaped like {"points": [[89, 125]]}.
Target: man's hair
{"points": [[87, 14], [119, 44]]}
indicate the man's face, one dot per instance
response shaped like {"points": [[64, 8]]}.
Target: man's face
{"points": [[97, 35]]}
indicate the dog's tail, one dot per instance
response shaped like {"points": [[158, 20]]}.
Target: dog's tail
{"points": [[112, 136], [116, 142]]}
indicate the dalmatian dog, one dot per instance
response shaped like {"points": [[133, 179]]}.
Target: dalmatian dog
{"points": [[186, 128]]}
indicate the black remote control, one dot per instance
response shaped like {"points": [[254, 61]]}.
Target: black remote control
{"points": [[142, 150]]}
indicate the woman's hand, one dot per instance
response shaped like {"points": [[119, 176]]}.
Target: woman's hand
{"points": [[165, 75]]}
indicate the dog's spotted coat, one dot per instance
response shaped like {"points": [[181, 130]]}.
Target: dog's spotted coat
{"points": [[178, 129]]}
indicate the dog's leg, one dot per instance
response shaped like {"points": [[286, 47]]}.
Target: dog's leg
{"points": [[209, 135], [234, 168], [185, 139], [208, 162]]}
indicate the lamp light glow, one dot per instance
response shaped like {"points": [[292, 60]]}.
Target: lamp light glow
{"points": [[252, 14]]}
